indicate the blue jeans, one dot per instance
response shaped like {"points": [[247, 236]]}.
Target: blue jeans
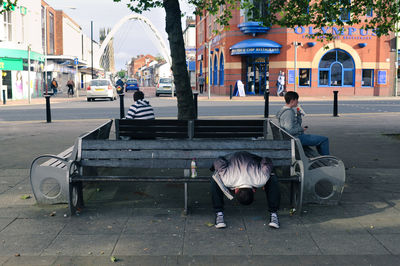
{"points": [[280, 89], [321, 142]]}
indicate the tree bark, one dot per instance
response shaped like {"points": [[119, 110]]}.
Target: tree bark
{"points": [[179, 69]]}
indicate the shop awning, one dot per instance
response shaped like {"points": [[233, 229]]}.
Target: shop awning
{"points": [[256, 47]]}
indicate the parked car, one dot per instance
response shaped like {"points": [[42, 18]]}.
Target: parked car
{"points": [[132, 84], [164, 86], [101, 88]]}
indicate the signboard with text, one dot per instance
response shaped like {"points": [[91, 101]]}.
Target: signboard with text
{"points": [[382, 77], [291, 76]]}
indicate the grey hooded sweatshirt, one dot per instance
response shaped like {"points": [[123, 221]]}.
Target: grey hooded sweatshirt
{"points": [[290, 120]]}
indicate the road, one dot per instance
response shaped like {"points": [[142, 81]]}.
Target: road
{"points": [[166, 107]]}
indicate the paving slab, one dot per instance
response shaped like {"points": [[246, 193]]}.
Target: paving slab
{"points": [[3, 259], [390, 242], [44, 226], [367, 260], [28, 244], [94, 225], [149, 244], [82, 245], [31, 260], [155, 224], [348, 244], [217, 242], [286, 243]]}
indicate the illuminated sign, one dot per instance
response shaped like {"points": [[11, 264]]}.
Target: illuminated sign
{"points": [[11, 64], [244, 51]]}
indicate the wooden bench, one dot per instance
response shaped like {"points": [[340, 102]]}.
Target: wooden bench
{"points": [[324, 176], [49, 174], [161, 150]]}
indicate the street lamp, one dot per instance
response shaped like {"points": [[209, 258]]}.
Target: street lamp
{"points": [[296, 44]]}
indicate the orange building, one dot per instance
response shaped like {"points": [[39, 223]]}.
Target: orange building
{"points": [[356, 62]]}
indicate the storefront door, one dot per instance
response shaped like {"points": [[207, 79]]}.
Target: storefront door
{"points": [[257, 75]]}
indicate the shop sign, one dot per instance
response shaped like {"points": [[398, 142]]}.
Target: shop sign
{"points": [[240, 51], [382, 77], [345, 33], [11, 64]]}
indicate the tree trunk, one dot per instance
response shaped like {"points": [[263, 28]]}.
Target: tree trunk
{"points": [[178, 55]]}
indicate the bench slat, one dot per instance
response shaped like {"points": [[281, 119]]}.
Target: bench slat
{"points": [[227, 135], [236, 144], [161, 163], [224, 123], [175, 154]]}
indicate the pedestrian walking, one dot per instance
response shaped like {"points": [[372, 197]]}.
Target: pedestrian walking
{"points": [[280, 83], [201, 83], [54, 86], [70, 85]]}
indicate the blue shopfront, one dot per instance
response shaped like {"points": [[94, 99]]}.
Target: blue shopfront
{"points": [[255, 58]]}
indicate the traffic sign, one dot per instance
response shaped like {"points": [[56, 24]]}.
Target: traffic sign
{"points": [[76, 61]]}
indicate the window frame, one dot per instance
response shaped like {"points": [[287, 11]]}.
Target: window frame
{"points": [[215, 70], [221, 69], [309, 79], [329, 69], [372, 78]]}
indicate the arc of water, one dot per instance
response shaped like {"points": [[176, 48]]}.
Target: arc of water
{"points": [[162, 45]]}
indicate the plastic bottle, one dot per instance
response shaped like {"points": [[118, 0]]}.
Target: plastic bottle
{"points": [[193, 172]]}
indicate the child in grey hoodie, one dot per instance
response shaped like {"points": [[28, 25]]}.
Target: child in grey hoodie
{"points": [[289, 118]]}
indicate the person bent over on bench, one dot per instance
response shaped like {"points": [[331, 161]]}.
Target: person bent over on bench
{"points": [[242, 173]]}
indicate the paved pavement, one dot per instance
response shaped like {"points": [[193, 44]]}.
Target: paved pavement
{"points": [[143, 224]]}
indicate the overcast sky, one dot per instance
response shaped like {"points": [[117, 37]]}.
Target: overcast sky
{"points": [[133, 39]]}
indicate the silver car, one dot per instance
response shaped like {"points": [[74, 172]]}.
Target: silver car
{"points": [[101, 88], [164, 86]]}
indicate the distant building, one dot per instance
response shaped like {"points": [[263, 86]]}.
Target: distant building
{"points": [[357, 62]]}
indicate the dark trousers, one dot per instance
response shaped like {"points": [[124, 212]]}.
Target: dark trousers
{"points": [[201, 88], [271, 189]]}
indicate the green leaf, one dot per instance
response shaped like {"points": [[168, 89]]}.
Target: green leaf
{"points": [[24, 197]]}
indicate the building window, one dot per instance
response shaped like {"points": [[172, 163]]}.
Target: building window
{"points": [[305, 77], [345, 16], [51, 33], [215, 78], [221, 69], [367, 78], [7, 27], [336, 68], [210, 71], [43, 28]]}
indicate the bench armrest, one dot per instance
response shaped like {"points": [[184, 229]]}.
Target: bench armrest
{"points": [[50, 156], [319, 158]]}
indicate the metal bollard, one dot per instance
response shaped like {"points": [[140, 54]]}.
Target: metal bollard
{"points": [[48, 111], [121, 106], [4, 96], [266, 106], [230, 92], [195, 96], [335, 103]]}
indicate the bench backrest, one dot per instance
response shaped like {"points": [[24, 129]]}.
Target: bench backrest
{"points": [[101, 132], [181, 129], [148, 129], [279, 133], [164, 153]]}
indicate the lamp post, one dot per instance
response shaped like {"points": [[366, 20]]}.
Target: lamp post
{"points": [[296, 44], [396, 86], [208, 45], [29, 73], [91, 44]]}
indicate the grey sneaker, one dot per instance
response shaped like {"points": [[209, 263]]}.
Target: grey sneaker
{"points": [[274, 221], [219, 221]]}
